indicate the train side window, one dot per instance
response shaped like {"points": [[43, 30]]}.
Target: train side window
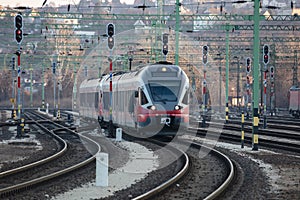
{"points": [[122, 101], [90, 99], [144, 99], [96, 99], [131, 102], [106, 100]]}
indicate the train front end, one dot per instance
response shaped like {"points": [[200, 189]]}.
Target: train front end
{"points": [[164, 101]]}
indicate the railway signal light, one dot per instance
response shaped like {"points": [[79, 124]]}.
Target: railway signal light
{"points": [[85, 71], [18, 21], [272, 72], [110, 30], [248, 65], [266, 59], [110, 42], [266, 54], [165, 49], [19, 28], [53, 67], [204, 54], [13, 63], [19, 35], [165, 38]]}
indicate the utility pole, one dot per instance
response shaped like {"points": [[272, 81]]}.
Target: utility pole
{"points": [[204, 84], [255, 76], [227, 73], [13, 64], [43, 87], [75, 88], [31, 85], [295, 69], [220, 87], [248, 70], [177, 32], [19, 38], [238, 84], [54, 88], [265, 61], [110, 45]]}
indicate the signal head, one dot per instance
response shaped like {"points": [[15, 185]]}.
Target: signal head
{"points": [[248, 65], [266, 49], [266, 54], [110, 42], [165, 38], [110, 29], [204, 59], [204, 50], [272, 70], [54, 67], [248, 69], [204, 54], [19, 35], [165, 49], [266, 59], [248, 61], [18, 21]]}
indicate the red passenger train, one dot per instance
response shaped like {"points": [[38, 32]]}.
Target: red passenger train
{"points": [[154, 100]]}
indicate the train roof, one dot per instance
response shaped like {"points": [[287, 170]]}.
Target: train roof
{"points": [[90, 83], [294, 87], [158, 70]]}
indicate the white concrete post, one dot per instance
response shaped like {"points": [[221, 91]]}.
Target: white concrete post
{"points": [[102, 169], [119, 134]]}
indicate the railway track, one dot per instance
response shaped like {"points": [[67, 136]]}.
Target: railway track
{"points": [[59, 164], [182, 165], [277, 139], [187, 169], [210, 174]]}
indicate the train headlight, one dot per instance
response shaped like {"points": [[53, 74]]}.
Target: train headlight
{"points": [[151, 107], [177, 107], [164, 69]]}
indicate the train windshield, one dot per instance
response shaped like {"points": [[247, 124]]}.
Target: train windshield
{"points": [[164, 91]]}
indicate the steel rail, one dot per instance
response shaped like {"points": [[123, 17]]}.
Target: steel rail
{"points": [[228, 180], [33, 182], [40, 162], [169, 182]]}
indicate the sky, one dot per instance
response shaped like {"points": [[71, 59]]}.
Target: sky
{"points": [[39, 3]]}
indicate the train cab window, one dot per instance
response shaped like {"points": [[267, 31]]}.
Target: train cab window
{"points": [[185, 98], [144, 99], [164, 91]]}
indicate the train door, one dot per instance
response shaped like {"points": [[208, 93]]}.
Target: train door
{"points": [[141, 100], [100, 106], [136, 106]]}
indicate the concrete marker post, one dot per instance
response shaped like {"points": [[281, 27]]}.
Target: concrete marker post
{"points": [[119, 135], [102, 169], [242, 129]]}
